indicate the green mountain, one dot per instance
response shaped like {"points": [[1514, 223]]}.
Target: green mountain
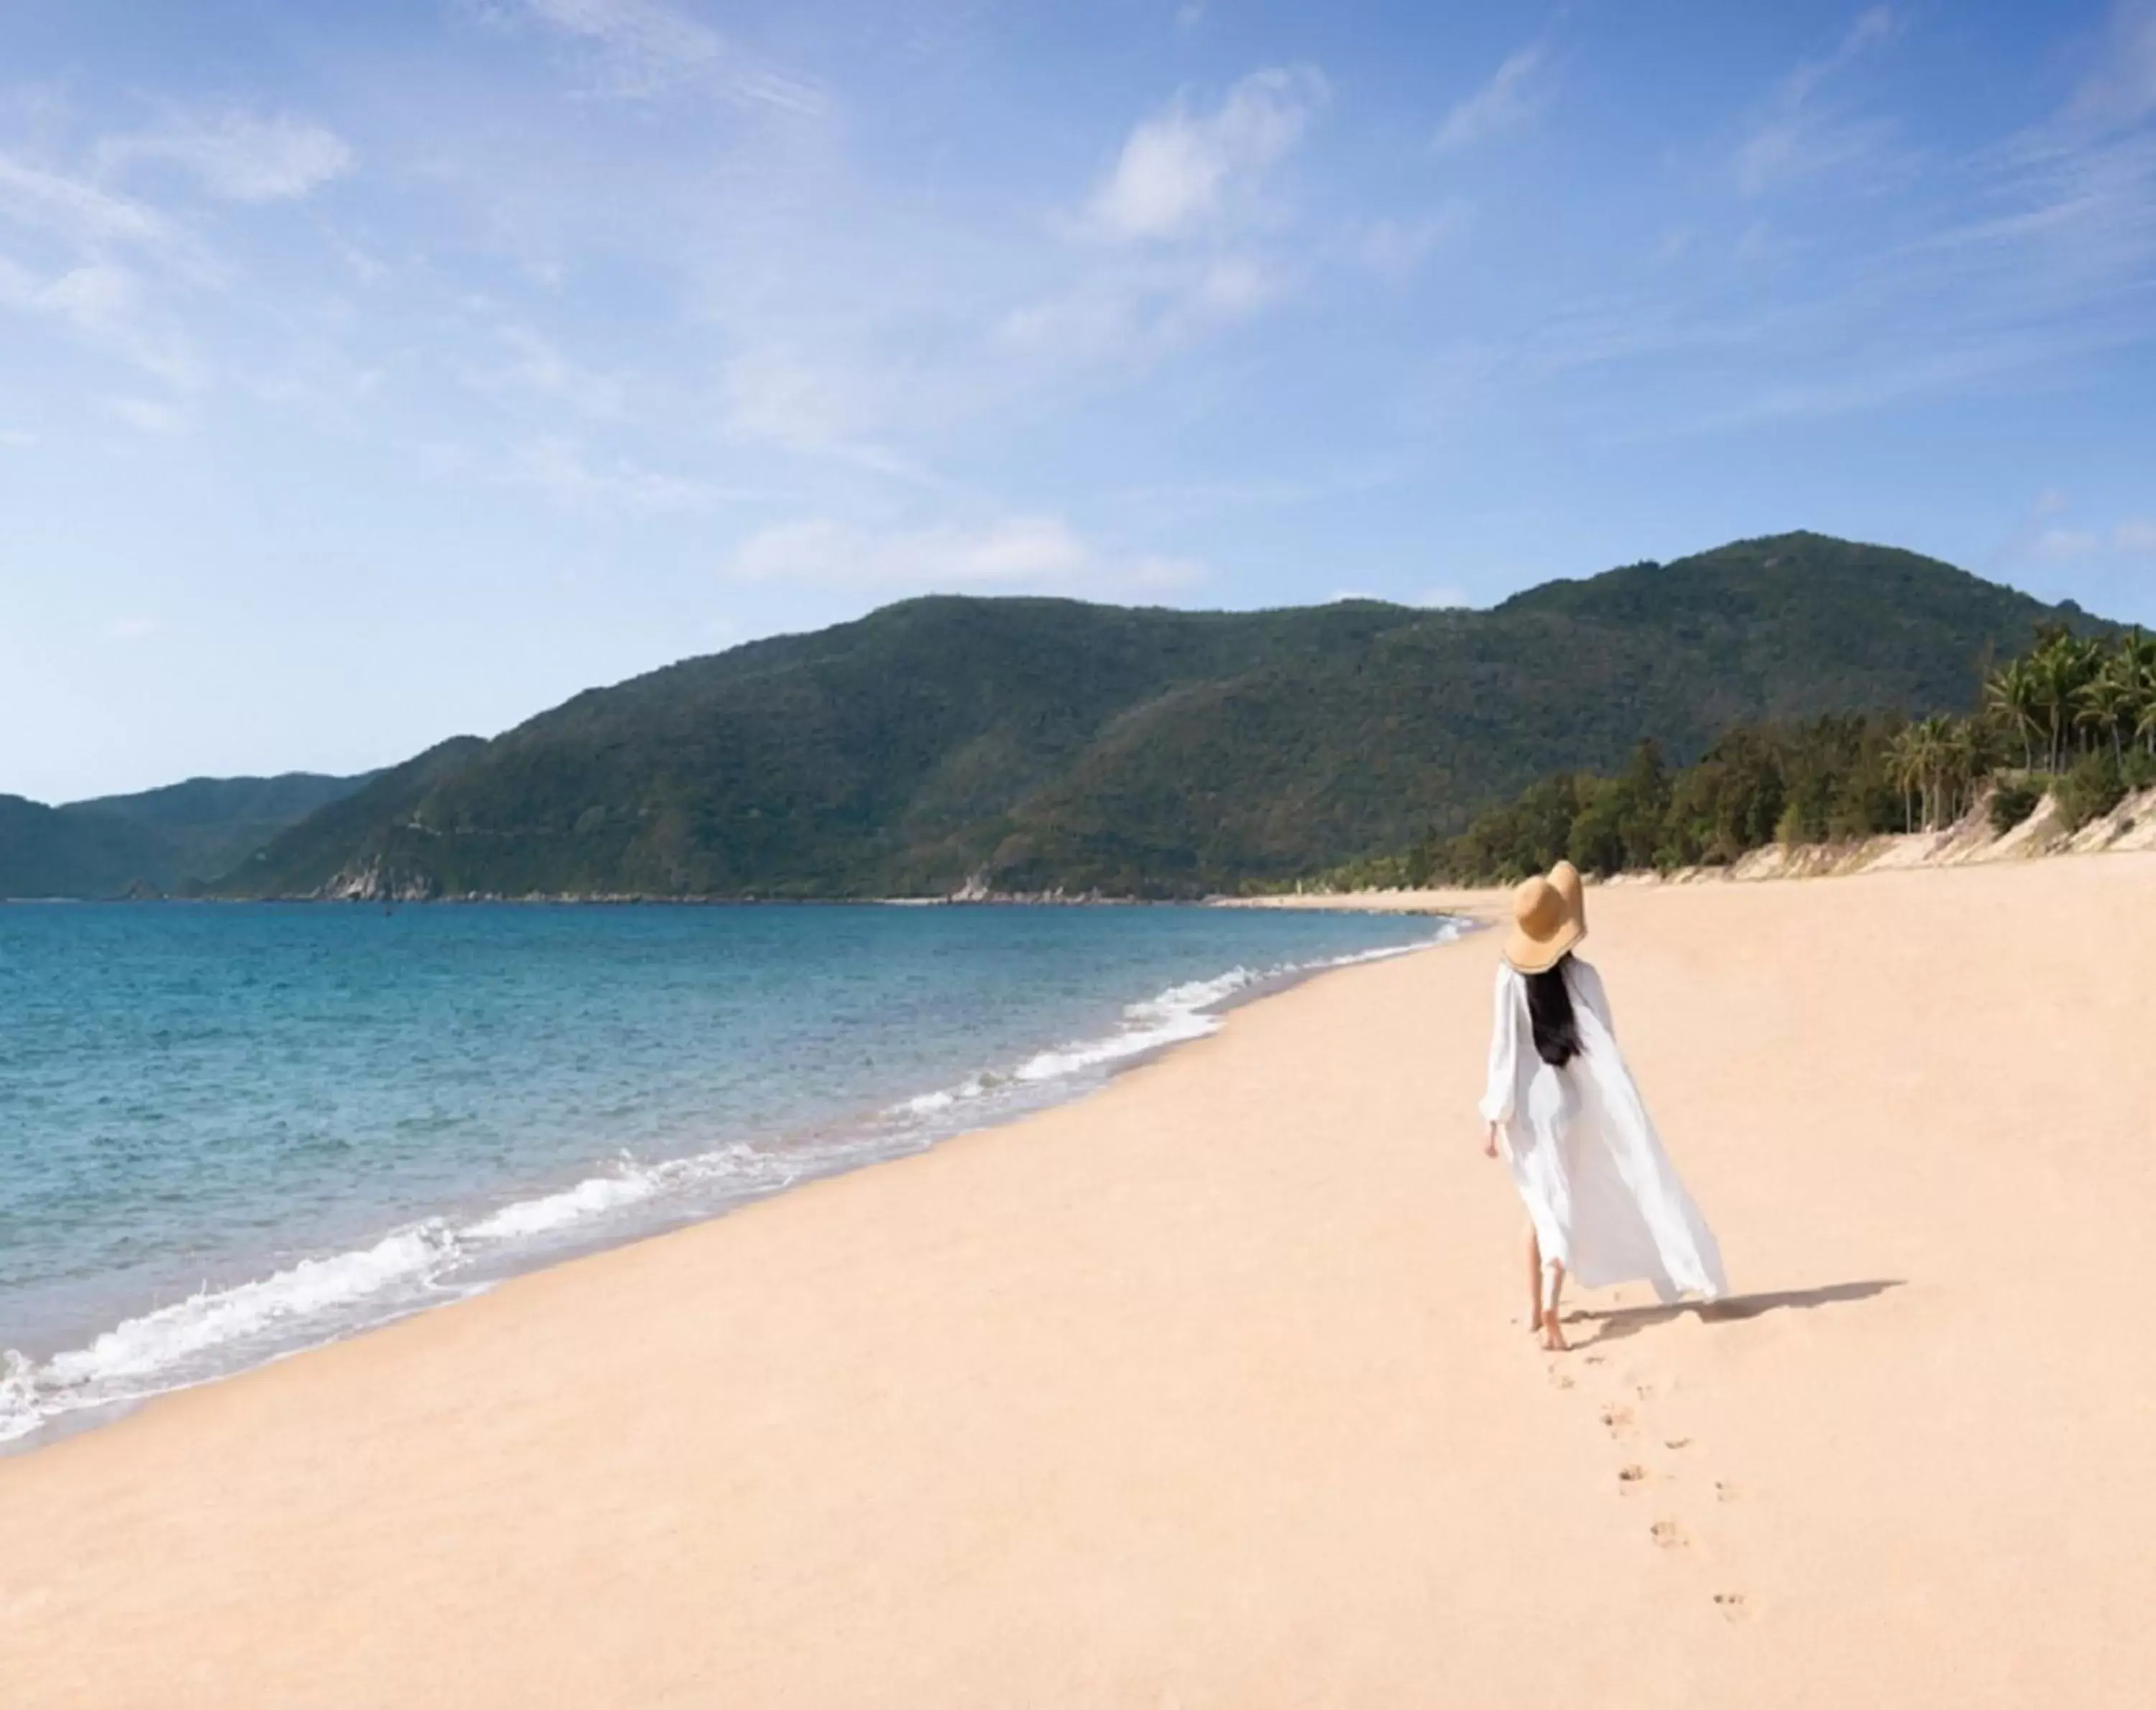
{"points": [[166, 840], [1030, 745], [45, 852]]}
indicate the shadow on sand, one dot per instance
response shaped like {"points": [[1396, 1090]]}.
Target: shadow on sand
{"points": [[1630, 1320]]}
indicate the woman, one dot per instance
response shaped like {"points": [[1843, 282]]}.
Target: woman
{"points": [[1603, 1205]]}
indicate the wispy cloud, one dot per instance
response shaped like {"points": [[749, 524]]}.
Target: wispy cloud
{"points": [[2133, 538], [104, 304], [1130, 317], [1181, 171], [533, 363], [237, 155], [558, 468], [2122, 89], [1395, 249], [1799, 135], [1515, 93], [778, 396], [78, 212], [639, 48], [1009, 553], [148, 416]]}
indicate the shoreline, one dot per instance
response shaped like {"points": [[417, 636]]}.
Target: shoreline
{"points": [[1213, 1388], [623, 1217]]}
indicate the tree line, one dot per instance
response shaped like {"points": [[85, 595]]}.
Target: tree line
{"points": [[2074, 717]]}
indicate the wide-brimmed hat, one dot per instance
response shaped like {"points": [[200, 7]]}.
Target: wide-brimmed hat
{"points": [[1549, 917]]}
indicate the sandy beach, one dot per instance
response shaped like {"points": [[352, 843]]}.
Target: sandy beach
{"points": [[1213, 1389]]}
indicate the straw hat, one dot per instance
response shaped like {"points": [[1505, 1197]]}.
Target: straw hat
{"points": [[1549, 917]]}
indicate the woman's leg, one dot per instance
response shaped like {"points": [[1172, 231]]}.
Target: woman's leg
{"points": [[1534, 1281], [1553, 1332]]}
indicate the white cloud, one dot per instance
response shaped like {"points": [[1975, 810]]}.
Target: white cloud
{"points": [[1514, 94], [2134, 537], [81, 214], [2122, 88], [17, 438], [1135, 315], [238, 156], [148, 416], [1396, 249], [2061, 544], [774, 396], [1010, 553], [1447, 597], [131, 629], [535, 365], [558, 468], [1179, 171], [1188, 16], [1795, 138], [643, 47], [104, 304]]}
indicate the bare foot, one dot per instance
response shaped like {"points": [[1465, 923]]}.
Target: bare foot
{"points": [[1554, 1334]]}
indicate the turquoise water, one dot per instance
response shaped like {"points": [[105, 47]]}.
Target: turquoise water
{"points": [[226, 1132]]}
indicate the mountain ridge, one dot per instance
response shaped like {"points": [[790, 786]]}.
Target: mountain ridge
{"points": [[1038, 746], [175, 837]]}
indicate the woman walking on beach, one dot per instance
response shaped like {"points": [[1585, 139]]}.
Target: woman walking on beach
{"points": [[1604, 1204]]}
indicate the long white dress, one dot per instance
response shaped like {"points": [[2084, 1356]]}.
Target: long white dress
{"points": [[1605, 1202]]}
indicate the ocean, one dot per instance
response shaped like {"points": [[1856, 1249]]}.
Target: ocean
{"points": [[229, 1132]]}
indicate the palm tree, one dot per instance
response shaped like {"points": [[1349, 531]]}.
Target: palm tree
{"points": [[2014, 695], [2136, 663], [2062, 663], [1905, 765], [2105, 702], [1931, 757]]}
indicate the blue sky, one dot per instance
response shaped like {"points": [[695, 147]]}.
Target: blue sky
{"points": [[373, 373]]}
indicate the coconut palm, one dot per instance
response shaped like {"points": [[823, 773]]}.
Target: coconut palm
{"points": [[2063, 662], [2105, 704], [2014, 695], [1905, 766], [2136, 662]]}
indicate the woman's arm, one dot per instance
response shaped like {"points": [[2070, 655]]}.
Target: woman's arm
{"points": [[1496, 1105]]}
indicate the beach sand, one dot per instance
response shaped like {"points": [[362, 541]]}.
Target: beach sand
{"points": [[1214, 1389]]}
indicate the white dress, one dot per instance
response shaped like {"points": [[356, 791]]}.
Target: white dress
{"points": [[1605, 1202]]}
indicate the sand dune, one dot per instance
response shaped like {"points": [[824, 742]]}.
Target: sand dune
{"points": [[1215, 1390]]}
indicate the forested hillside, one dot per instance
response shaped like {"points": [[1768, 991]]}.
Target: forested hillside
{"points": [[1031, 745], [167, 840]]}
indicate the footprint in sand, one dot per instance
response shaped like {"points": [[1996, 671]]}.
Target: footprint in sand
{"points": [[1725, 1491], [1617, 1420], [1560, 1380], [1630, 1476], [1594, 1360], [1676, 1443], [1668, 1534], [1733, 1606]]}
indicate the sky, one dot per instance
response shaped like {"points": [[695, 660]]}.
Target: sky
{"points": [[372, 374]]}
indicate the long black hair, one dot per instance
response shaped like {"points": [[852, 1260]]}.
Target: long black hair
{"points": [[1549, 1008]]}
